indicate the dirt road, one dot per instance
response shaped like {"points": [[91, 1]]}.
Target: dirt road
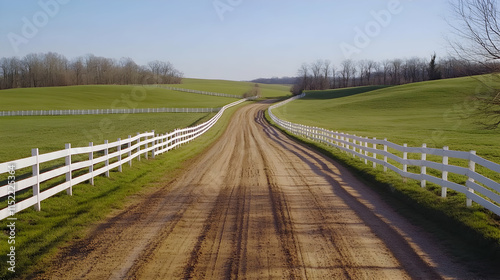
{"points": [[257, 205]]}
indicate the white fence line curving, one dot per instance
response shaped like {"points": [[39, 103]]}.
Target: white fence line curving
{"points": [[376, 151], [201, 92], [110, 155], [106, 111]]}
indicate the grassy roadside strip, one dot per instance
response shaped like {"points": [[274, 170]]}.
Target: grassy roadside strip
{"points": [[39, 235], [471, 234]]}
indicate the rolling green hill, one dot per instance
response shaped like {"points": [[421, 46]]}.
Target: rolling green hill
{"points": [[233, 87], [19, 135], [438, 113], [125, 96], [50, 133], [103, 97]]}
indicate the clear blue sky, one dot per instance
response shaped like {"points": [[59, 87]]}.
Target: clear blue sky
{"points": [[226, 39]]}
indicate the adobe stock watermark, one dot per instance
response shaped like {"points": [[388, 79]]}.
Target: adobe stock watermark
{"points": [[223, 6], [364, 36], [11, 226], [31, 26]]}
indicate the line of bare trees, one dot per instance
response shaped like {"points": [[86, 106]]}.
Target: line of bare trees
{"points": [[323, 74], [52, 69]]}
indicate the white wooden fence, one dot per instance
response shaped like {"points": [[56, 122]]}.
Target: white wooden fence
{"points": [[112, 155], [200, 92], [106, 111], [376, 151]]}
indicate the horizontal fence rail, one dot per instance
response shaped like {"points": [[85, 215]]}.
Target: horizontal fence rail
{"points": [[201, 92], [83, 164], [477, 187], [106, 111]]}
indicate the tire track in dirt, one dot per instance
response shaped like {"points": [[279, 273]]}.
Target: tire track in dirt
{"points": [[256, 205]]}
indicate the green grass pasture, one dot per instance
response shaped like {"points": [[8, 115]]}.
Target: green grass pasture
{"points": [[104, 97], [438, 113], [233, 87]]}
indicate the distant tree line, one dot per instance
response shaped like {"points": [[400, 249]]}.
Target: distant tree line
{"points": [[276, 80], [322, 74], [52, 69]]}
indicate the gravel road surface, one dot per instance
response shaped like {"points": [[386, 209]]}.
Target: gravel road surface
{"points": [[257, 205]]}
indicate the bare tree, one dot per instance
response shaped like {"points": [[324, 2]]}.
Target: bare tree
{"points": [[78, 69], [303, 80], [326, 74], [11, 71], [33, 64], [387, 69], [395, 71], [411, 70], [129, 71], [52, 69], [347, 72], [370, 67], [331, 70], [476, 25], [362, 65], [316, 70], [322, 75]]}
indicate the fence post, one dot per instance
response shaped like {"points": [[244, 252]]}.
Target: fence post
{"points": [[385, 154], [129, 150], [374, 153], [366, 152], [91, 167], [423, 168], [138, 147], [173, 138], [119, 148], [106, 153], [162, 142], [405, 166], [69, 191], [36, 173], [472, 168], [354, 142], [444, 175], [154, 144], [146, 145]]}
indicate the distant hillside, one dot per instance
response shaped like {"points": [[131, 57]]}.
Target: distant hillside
{"points": [[276, 80], [234, 87], [438, 113]]}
